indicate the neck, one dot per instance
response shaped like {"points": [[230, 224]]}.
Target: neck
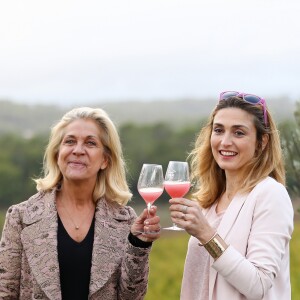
{"points": [[232, 186], [75, 206], [78, 195]]}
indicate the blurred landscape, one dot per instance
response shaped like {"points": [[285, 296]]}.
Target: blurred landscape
{"points": [[28, 120]]}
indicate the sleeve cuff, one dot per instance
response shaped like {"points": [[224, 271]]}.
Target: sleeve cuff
{"points": [[136, 242]]}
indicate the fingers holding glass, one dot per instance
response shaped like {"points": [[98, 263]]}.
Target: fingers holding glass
{"points": [[152, 226], [185, 208], [147, 228]]}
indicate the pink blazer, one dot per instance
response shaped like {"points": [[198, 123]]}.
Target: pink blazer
{"points": [[28, 253], [258, 227]]}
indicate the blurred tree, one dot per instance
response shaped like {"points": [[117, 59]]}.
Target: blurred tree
{"points": [[290, 138], [10, 176], [20, 160], [156, 143]]}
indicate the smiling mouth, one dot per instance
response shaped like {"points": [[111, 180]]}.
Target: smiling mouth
{"points": [[228, 153], [76, 163]]}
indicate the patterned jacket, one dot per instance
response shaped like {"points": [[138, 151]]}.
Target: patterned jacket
{"points": [[28, 253]]}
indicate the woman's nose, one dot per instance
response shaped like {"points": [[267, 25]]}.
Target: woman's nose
{"points": [[78, 148], [226, 139]]}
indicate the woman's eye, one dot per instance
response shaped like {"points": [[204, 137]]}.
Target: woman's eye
{"points": [[217, 130], [91, 143], [69, 142], [239, 133]]}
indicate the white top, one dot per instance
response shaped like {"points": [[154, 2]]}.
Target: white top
{"points": [[195, 284]]}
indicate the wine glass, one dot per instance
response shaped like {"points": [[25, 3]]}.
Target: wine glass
{"points": [[150, 184], [177, 182]]}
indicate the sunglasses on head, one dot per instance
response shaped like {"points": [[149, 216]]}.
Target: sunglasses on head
{"points": [[252, 99]]}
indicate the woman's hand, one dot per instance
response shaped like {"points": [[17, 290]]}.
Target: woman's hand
{"points": [[188, 215], [147, 228]]}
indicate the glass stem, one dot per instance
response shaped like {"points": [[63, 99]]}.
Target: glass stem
{"points": [[149, 205]]}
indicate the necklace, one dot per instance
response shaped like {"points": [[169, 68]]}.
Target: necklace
{"points": [[77, 227]]}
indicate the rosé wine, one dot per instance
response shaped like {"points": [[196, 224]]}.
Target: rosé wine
{"points": [[150, 194], [177, 189]]}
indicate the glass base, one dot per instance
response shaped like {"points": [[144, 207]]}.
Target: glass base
{"points": [[174, 227], [149, 232]]}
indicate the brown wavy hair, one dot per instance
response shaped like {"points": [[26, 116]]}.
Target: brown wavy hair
{"points": [[209, 179]]}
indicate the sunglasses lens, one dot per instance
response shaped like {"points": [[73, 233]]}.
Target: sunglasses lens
{"points": [[226, 95], [252, 99]]}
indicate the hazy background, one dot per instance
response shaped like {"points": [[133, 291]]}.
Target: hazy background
{"points": [[73, 52]]}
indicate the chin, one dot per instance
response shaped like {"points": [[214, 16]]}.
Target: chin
{"points": [[225, 167], [74, 177]]}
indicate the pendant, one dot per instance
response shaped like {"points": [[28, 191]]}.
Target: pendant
{"points": [[76, 227]]}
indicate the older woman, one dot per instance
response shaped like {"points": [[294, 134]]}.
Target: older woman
{"points": [[76, 238], [242, 221]]}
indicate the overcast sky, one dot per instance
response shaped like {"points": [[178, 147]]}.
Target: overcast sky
{"points": [[68, 51]]}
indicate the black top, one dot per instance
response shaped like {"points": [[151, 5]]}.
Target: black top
{"points": [[75, 260]]}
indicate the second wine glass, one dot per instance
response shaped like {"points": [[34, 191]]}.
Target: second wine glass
{"points": [[177, 182]]}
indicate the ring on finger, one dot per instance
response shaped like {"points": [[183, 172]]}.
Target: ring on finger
{"points": [[185, 208]]}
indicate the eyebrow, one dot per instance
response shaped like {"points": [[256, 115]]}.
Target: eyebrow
{"points": [[234, 126], [87, 137]]}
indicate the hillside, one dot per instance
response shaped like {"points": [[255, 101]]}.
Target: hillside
{"points": [[31, 119]]}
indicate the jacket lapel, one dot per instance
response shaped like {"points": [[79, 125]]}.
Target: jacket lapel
{"points": [[231, 215], [39, 238], [227, 222], [112, 223]]}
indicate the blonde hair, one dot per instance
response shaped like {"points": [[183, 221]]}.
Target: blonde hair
{"points": [[210, 179], [111, 182]]}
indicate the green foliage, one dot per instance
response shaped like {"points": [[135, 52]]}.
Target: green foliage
{"points": [[295, 262], [290, 139], [27, 120], [157, 143], [20, 160], [166, 266], [2, 217]]}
